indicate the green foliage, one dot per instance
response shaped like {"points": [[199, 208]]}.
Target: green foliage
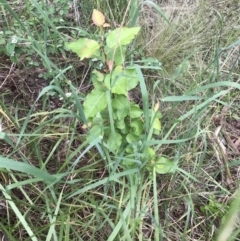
{"points": [[84, 48], [116, 204], [34, 33], [121, 36], [164, 165], [95, 102], [214, 207], [229, 229], [109, 110]]}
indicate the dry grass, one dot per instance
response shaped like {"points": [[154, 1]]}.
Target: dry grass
{"points": [[201, 29], [191, 202]]}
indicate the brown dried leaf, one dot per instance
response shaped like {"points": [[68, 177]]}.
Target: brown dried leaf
{"points": [[98, 18], [106, 25]]}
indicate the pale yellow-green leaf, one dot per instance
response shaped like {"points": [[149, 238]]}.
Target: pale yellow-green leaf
{"points": [[84, 48], [163, 165], [121, 36]]}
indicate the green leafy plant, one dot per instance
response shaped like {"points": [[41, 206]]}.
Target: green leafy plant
{"points": [[110, 111], [214, 207], [35, 33]]}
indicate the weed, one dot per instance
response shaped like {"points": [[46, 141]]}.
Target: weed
{"points": [[68, 177], [110, 113]]}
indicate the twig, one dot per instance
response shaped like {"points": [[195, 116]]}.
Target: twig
{"points": [[221, 148], [10, 71]]}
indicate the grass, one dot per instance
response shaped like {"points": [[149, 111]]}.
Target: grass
{"points": [[57, 185]]}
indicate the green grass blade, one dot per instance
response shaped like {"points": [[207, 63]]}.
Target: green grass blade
{"points": [[157, 231], [92, 144], [181, 98], [54, 218], [22, 183], [120, 223], [144, 95], [114, 177], [5, 137], [216, 85], [18, 214], [134, 12], [230, 220], [26, 168]]}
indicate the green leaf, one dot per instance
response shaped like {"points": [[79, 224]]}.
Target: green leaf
{"points": [[132, 78], [84, 48], [121, 36], [150, 153], [117, 55], [125, 130], [120, 102], [114, 141], [158, 115], [163, 165], [131, 138], [10, 49], [135, 111], [120, 124], [95, 102], [107, 129], [98, 119], [127, 162], [121, 80], [96, 131], [122, 113], [99, 85], [114, 115], [98, 75], [156, 126], [97, 80], [137, 127]]}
